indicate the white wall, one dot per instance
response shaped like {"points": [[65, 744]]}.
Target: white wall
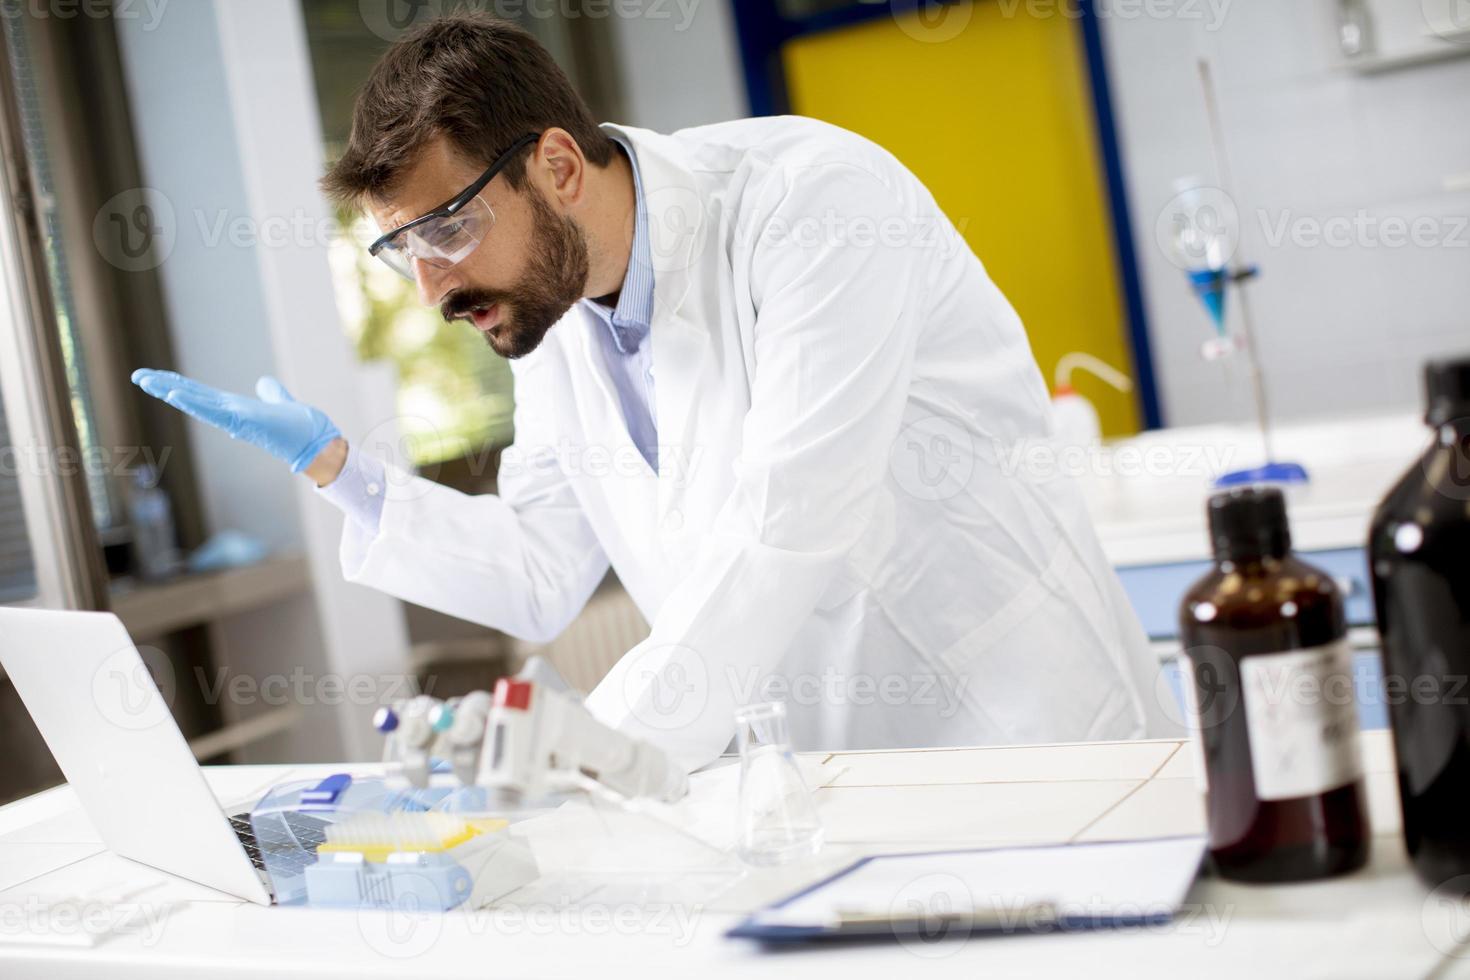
{"points": [[680, 65], [186, 147], [1343, 329]]}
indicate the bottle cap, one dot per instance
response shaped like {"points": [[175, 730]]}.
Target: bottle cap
{"points": [[1249, 522], [1447, 390]]}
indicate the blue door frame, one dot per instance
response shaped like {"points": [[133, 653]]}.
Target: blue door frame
{"points": [[763, 31]]}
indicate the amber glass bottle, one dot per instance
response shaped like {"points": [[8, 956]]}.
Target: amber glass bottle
{"points": [[1265, 638], [1420, 546]]}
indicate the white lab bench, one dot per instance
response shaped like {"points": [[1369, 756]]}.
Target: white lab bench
{"points": [[1377, 923]]}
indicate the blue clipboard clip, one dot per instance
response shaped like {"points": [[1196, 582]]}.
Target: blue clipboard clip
{"points": [[932, 927], [1049, 910], [1030, 919]]}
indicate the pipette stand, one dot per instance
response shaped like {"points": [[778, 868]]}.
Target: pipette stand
{"points": [[1211, 287]]}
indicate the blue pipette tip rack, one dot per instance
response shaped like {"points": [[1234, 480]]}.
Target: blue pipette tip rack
{"points": [[1279, 473]]}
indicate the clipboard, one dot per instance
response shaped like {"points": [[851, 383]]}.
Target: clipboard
{"points": [[1024, 890]]}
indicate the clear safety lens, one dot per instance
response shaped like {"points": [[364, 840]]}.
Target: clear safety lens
{"points": [[442, 242]]}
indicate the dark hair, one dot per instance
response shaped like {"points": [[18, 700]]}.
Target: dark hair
{"points": [[480, 82]]}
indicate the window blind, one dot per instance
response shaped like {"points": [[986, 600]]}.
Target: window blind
{"points": [[17, 569]]}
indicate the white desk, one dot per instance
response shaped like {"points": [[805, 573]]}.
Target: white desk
{"points": [[1374, 924]]}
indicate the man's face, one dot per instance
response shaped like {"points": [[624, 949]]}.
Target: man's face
{"points": [[527, 271]]}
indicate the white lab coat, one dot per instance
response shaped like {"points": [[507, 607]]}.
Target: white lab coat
{"points": [[844, 517]]}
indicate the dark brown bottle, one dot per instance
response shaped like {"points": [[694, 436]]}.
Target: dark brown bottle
{"points": [[1420, 550], [1266, 643]]}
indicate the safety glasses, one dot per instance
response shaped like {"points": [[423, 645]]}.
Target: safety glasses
{"points": [[448, 234]]}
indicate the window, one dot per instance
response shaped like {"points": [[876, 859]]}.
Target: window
{"points": [[454, 393], [48, 547], [100, 491], [83, 314], [17, 565]]}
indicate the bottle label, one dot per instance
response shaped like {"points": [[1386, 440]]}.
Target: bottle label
{"points": [[1302, 721]]}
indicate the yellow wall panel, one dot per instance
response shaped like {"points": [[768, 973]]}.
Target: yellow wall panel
{"points": [[997, 121]]}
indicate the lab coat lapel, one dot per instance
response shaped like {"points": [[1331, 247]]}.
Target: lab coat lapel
{"points": [[679, 238], [630, 494]]}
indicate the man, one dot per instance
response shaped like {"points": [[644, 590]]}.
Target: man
{"points": [[756, 371]]}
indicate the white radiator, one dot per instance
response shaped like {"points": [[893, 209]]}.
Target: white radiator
{"points": [[607, 628]]}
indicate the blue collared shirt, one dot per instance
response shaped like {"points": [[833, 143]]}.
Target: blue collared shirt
{"points": [[627, 348], [627, 351]]}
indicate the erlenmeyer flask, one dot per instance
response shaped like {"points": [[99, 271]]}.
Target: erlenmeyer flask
{"points": [[778, 820]]}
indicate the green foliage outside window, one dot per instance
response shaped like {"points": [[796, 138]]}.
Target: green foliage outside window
{"points": [[454, 392]]}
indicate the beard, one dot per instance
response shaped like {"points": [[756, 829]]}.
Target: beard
{"points": [[554, 280]]}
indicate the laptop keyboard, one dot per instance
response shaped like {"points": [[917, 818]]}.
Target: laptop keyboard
{"points": [[289, 854]]}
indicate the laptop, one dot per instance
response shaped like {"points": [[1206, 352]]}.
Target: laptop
{"points": [[117, 743]]}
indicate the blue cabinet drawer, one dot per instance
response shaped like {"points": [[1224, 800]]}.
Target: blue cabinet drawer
{"points": [[1155, 590]]}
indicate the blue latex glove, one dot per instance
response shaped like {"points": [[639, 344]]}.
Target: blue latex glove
{"points": [[275, 421]]}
